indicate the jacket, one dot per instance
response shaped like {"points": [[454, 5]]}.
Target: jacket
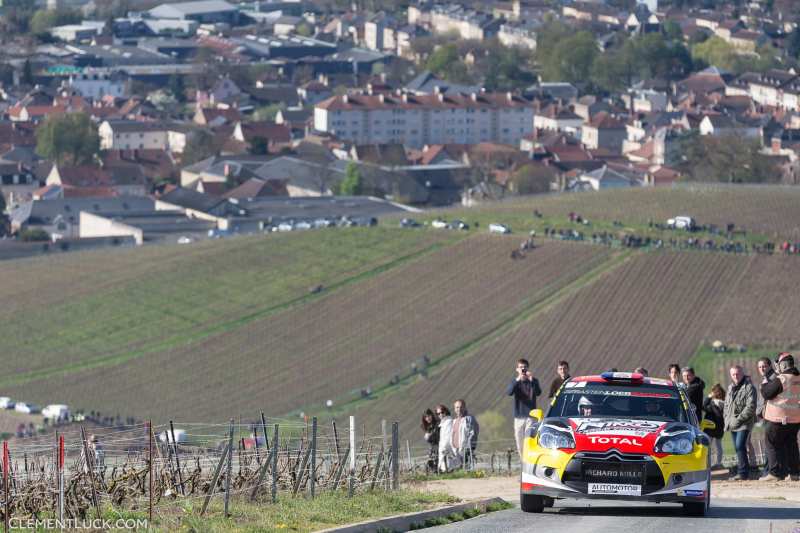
{"points": [[446, 452], [740, 406], [554, 386], [716, 414], [524, 393], [782, 397], [760, 401], [694, 390], [468, 430]]}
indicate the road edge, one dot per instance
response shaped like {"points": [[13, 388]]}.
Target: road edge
{"points": [[405, 521]]}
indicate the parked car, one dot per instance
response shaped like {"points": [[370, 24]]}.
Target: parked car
{"points": [[459, 224], [409, 223], [499, 228], [439, 224], [27, 408], [184, 240], [6, 402], [681, 222], [303, 225], [324, 223], [285, 226], [56, 412], [180, 436]]}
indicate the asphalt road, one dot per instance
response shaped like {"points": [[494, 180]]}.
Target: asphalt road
{"points": [[728, 516]]}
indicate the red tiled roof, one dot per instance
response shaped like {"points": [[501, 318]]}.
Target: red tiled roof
{"points": [[603, 120], [425, 101], [84, 176]]}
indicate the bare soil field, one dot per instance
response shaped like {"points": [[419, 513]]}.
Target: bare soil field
{"points": [[653, 310]]}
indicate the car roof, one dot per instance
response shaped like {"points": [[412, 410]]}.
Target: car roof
{"points": [[659, 382]]}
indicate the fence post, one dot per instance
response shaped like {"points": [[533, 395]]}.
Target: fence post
{"points": [[313, 473], [6, 466], [215, 478], [90, 468], [177, 458], [274, 488], [61, 478], [352, 475], [150, 468], [410, 460], [262, 471], [336, 442], [229, 472], [396, 456], [508, 456], [301, 472]]}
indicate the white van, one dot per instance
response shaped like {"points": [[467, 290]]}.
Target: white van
{"points": [[56, 411], [499, 228], [166, 436], [681, 222]]}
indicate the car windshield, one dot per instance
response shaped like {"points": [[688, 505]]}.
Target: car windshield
{"points": [[618, 400]]}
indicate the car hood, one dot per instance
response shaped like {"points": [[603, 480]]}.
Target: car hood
{"points": [[627, 435]]}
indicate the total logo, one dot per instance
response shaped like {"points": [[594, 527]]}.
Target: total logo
{"points": [[615, 440]]}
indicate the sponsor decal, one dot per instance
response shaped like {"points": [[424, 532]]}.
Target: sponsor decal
{"points": [[652, 395], [692, 493], [614, 489], [575, 384], [638, 428], [615, 440], [660, 381]]}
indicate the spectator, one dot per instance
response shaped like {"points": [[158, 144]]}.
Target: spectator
{"points": [[563, 375], [430, 426], [740, 416], [714, 410], [694, 390], [641, 370], [465, 433], [767, 374], [446, 453], [524, 388], [782, 416], [675, 375]]}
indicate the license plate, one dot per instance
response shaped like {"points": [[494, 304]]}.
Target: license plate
{"points": [[615, 489]]}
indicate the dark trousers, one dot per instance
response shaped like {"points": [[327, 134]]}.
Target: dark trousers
{"points": [[740, 444], [782, 449]]}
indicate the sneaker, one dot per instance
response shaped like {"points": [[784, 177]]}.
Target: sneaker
{"points": [[770, 477], [739, 477], [794, 477]]}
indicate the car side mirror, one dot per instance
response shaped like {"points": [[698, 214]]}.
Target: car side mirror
{"points": [[538, 414], [707, 424]]}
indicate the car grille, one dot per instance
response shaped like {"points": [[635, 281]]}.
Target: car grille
{"points": [[613, 467]]}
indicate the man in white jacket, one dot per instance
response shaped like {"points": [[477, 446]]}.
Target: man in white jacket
{"points": [[465, 433]]}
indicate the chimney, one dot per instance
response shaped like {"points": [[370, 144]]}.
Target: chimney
{"points": [[474, 97], [510, 96], [227, 170], [776, 145], [370, 90], [345, 99], [437, 89], [405, 98], [441, 97], [381, 98]]}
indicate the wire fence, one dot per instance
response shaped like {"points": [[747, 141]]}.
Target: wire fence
{"points": [[163, 468]]}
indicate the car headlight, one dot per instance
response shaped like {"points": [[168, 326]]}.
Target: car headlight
{"points": [[680, 444], [555, 438]]}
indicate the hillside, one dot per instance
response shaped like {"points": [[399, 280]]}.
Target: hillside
{"points": [[230, 327]]}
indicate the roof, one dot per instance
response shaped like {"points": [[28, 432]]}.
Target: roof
{"points": [[605, 174], [44, 212], [191, 199], [183, 9], [84, 176], [603, 120], [426, 82], [255, 187], [424, 101]]}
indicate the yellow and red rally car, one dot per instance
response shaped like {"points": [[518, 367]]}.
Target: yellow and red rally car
{"points": [[620, 436]]}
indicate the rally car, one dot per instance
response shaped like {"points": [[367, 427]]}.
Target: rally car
{"points": [[617, 436]]}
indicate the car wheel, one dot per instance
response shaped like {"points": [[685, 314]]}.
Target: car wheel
{"points": [[531, 503], [695, 509]]}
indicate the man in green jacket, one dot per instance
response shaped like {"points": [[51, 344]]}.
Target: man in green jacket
{"points": [[740, 416]]}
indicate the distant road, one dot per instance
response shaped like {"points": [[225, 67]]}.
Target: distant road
{"points": [[725, 516]]}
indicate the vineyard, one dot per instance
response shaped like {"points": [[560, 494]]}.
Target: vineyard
{"points": [[336, 345], [772, 212], [653, 310]]}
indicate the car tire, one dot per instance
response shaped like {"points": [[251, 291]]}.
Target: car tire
{"points": [[695, 509], [531, 503]]}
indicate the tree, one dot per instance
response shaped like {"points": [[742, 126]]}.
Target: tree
{"points": [[673, 31], [571, 59], [730, 159], [259, 146], [43, 20], [269, 112], [446, 62], [532, 179], [304, 29], [177, 88], [70, 138], [352, 184], [27, 73], [199, 145]]}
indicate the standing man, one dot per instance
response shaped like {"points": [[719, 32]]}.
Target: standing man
{"points": [[524, 388], [767, 374], [782, 416], [694, 390], [563, 375], [465, 433], [740, 416]]}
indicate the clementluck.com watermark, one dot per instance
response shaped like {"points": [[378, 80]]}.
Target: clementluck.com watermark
{"points": [[75, 523]]}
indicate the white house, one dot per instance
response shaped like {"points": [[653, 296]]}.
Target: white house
{"points": [[725, 126], [135, 135], [97, 85], [605, 178]]}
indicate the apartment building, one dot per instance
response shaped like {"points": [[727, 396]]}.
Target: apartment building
{"points": [[417, 120]]}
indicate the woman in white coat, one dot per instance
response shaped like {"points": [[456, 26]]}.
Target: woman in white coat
{"points": [[447, 455]]}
